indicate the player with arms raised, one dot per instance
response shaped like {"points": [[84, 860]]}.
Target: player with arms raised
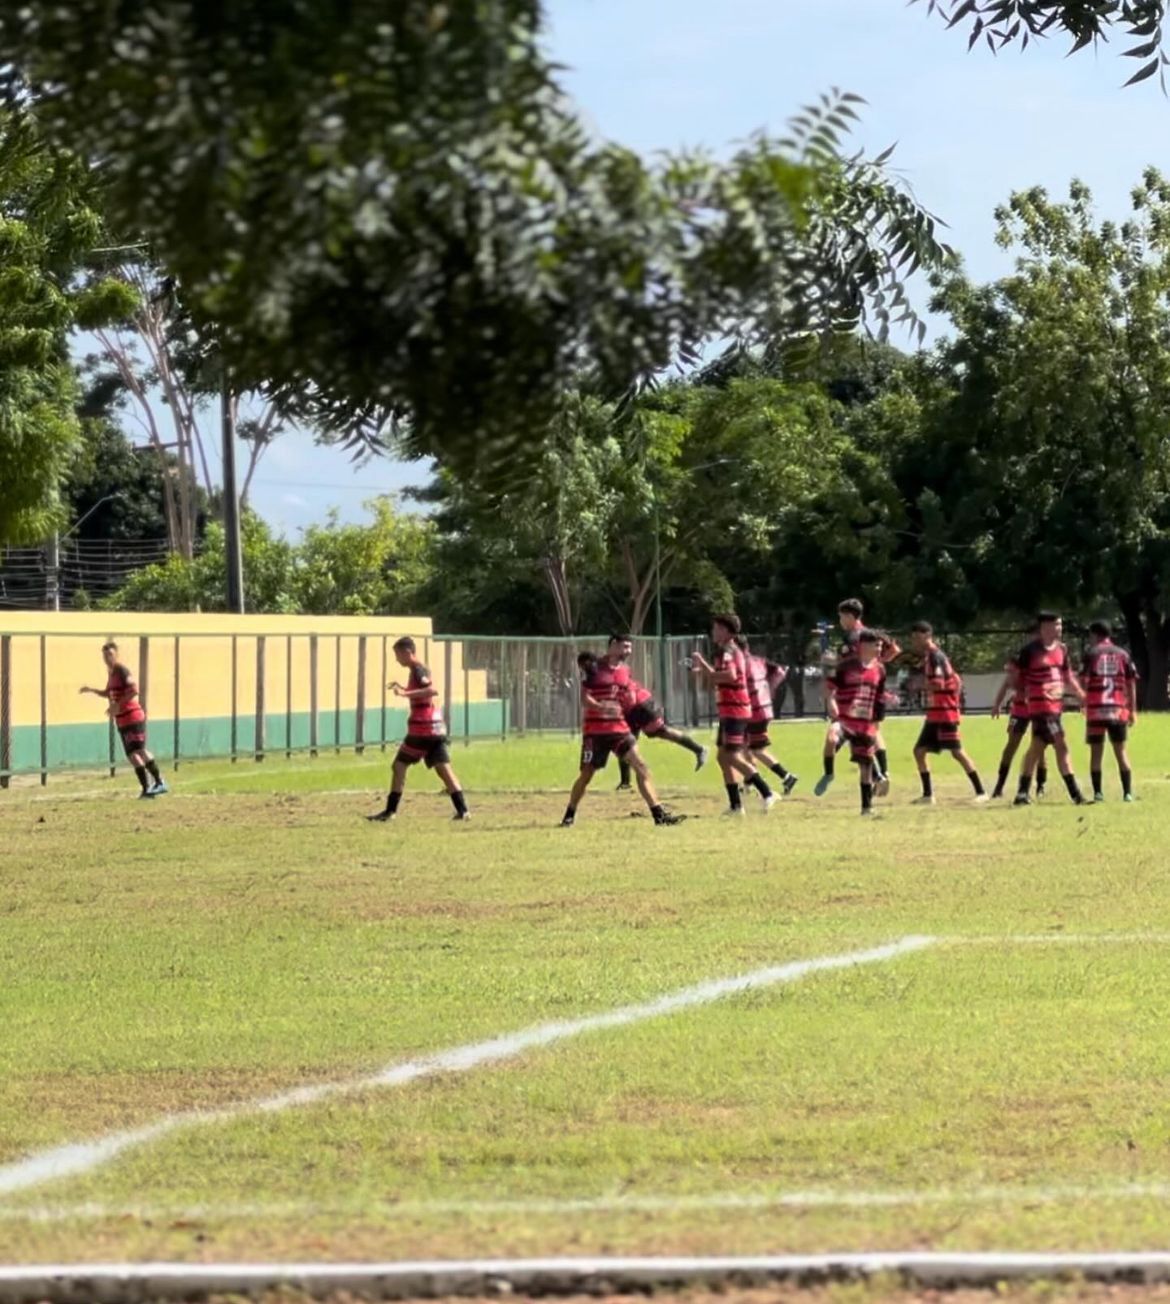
{"points": [[129, 717], [1110, 680], [1043, 672], [426, 736], [940, 732], [605, 732]]}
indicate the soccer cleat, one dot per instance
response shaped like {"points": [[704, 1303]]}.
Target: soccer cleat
{"points": [[1080, 800], [382, 817], [768, 802], [1129, 797], [624, 787], [824, 783], [1041, 791], [160, 789], [881, 787], [981, 799], [1098, 796], [868, 813], [790, 782], [733, 813], [1022, 799], [701, 759], [461, 816], [668, 819], [997, 794], [146, 794], [568, 822], [922, 801]]}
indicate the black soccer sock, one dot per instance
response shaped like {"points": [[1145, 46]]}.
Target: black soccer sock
{"points": [[152, 770], [1126, 781], [459, 801], [830, 762], [866, 796], [685, 740], [570, 812], [927, 783], [976, 782], [1001, 781], [623, 771], [883, 762], [778, 770], [1095, 777], [1025, 784], [1070, 782], [1042, 776], [140, 771], [658, 812], [757, 782], [392, 800], [733, 796]]}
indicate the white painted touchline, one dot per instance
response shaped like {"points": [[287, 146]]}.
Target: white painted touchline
{"points": [[84, 1156], [759, 1201]]}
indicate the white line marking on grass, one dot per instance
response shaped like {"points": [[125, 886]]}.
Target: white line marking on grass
{"points": [[760, 1201], [84, 1156], [1059, 939]]}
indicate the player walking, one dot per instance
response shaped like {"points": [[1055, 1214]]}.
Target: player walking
{"points": [[1017, 730], [940, 732], [1044, 670], [763, 678], [129, 717], [1110, 680], [642, 712], [426, 736], [854, 690], [729, 674], [605, 731]]}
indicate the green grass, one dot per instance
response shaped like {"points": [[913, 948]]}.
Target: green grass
{"points": [[252, 933]]}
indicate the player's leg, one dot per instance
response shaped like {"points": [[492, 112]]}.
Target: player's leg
{"points": [[647, 789], [1064, 763], [881, 767], [971, 771], [922, 761], [1095, 737], [407, 756], [658, 728], [624, 767], [440, 761], [759, 745], [744, 763], [1119, 737], [134, 745], [158, 784], [584, 779], [727, 757], [1015, 737], [834, 740], [865, 778], [1032, 759]]}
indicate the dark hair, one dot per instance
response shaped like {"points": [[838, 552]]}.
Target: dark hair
{"points": [[404, 644], [742, 643], [1043, 616], [729, 621], [619, 638], [851, 607], [111, 646], [922, 627], [586, 659], [869, 636], [1102, 628]]}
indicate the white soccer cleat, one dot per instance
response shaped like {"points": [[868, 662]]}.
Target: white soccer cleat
{"points": [[769, 801], [882, 787], [733, 813], [922, 801], [981, 799]]}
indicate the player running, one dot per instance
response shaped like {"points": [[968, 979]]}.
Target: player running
{"points": [[643, 714], [763, 678], [605, 731], [129, 717], [940, 732], [854, 690], [426, 736], [1110, 680], [1044, 671], [729, 675]]}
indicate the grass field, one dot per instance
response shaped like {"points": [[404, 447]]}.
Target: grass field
{"points": [[1002, 1087]]}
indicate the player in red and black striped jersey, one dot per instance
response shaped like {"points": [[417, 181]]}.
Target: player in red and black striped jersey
{"points": [[1043, 672], [426, 736], [854, 690], [604, 731], [643, 714], [850, 614], [940, 732], [1110, 681], [129, 717], [733, 703], [1017, 730], [764, 677]]}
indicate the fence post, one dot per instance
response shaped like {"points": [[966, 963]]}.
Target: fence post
{"points": [[337, 694], [144, 672], [288, 678], [522, 699], [359, 722], [385, 668], [110, 739], [175, 712], [449, 704], [44, 714], [466, 701], [260, 740], [312, 694], [235, 708], [5, 709], [503, 690]]}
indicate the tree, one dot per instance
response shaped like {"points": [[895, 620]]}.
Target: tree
{"points": [[392, 217], [48, 231]]}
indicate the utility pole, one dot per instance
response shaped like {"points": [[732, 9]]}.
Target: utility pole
{"points": [[53, 572], [231, 498]]}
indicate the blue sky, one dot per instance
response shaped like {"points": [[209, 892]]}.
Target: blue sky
{"points": [[970, 128]]}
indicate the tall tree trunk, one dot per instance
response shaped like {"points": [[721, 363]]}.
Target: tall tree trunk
{"points": [[556, 572], [1149, 641]]}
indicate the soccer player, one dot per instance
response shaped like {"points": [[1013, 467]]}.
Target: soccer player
{"points": [[129, 717], [426, 736], [1017, 731], [643, 714], [854, 690], [940, 732], [1044, 670], [1110, 680], [729, 674], [849, 614], [605, 731], [763, 678]]}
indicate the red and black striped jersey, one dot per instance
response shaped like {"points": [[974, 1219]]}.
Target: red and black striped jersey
{"points": [[1108, 671], [124, 704], [859, 689], [1043, 672], [426, 715], [731, 698], [942, 688], [759, 689], [1018, 701], [604, 684], [632, 693]]}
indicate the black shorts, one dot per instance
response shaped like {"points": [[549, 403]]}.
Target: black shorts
{"points": [[1047, 728], [647, 718], [596, 749], [1017, 726], [419, 747], [732, 733], [939, 737], [862, 746], [1097, 730], [758, 738], [133, 737]]}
